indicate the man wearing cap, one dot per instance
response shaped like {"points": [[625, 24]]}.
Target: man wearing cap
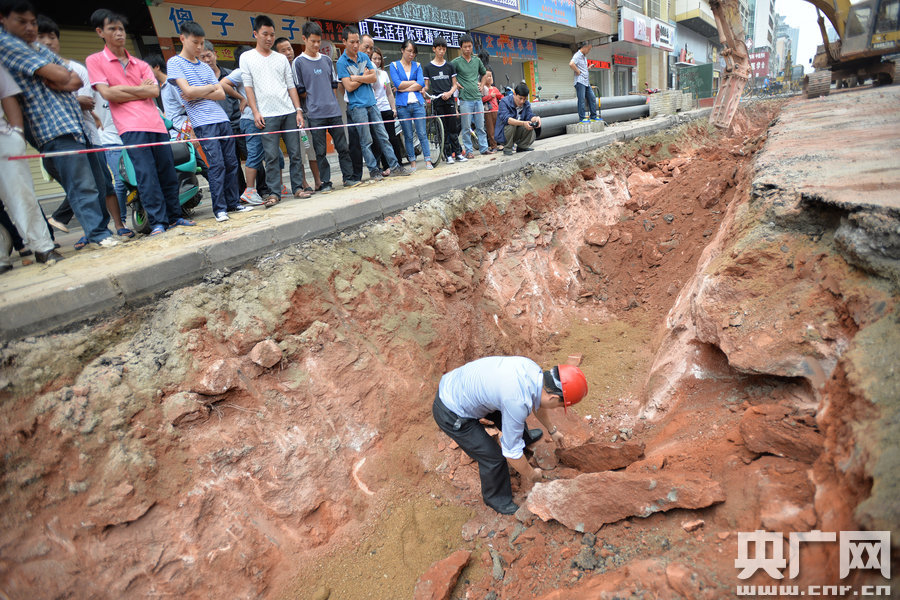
{"points": [[503, 390]]}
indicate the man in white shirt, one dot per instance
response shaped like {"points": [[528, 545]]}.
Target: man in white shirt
{"points": [[272, 95], [586, 99], [503, 390]]}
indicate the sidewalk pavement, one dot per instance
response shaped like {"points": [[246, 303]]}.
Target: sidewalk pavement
{"points": [[39, 298]]}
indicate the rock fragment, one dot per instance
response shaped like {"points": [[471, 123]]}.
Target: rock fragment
{"points": [[266, 354], [219, 377], [592, 500], [438, 581], [600, 456], [769, 429]]}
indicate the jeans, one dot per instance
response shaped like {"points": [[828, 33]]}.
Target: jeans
{"points": [[113, 155], [447, 110], [586, 96], [255, 154], [473, 106], [391, 127], [273, 152], [157, 181], [362, 114], [415, 111], [17, 195], [320, 145], [223, 166], [78, 174]]}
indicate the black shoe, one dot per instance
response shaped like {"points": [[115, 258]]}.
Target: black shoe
{"points": [[533, 435], [507, 509], [25, 252], [507, 152], [50, 256], [524, 149], [5, 268]]}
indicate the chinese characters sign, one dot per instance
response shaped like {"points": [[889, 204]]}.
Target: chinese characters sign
{"points": [[426, 14], [554, 11], [663, 36], [759, 64], [634, 27], [331, 30], [384, 31], [628, 61], [598, 64], [506, 47], [512, 5], [219, 23]]}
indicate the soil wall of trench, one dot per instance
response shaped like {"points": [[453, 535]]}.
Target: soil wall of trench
{"points": [[267, 433]]}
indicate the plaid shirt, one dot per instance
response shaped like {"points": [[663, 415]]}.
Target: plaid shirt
{"points": [[48, 114]]}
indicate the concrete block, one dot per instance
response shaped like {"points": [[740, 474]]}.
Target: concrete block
{"points": [[310, 224], [237, 247], [353, 212], [66, 300], [161, 272]]}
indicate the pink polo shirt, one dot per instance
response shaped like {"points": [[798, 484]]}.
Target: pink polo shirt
{"points": [[136, 115]]}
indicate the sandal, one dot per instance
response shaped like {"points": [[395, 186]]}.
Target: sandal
{"points": [[271, 201], [302, 193], [81, 243], [157, 230], [306, 188], [125, 232], [181, 221]]}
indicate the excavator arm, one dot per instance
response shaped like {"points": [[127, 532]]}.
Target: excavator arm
{"points": [[737, 61]]}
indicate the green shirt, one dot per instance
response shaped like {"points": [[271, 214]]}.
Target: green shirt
{"points": [[468, 74]]}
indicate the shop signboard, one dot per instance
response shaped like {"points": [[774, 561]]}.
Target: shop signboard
{"points": [[512, 5], [634, 27], [598, 64], [219, 23], [387, 31], [759, 64], [426, 14], [506, 47], [626, 61], [561, 12], [663, 35]]}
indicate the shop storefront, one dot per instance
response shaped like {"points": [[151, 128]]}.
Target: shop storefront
{"points": [[624, 74], [420, 23], [511, 59]]}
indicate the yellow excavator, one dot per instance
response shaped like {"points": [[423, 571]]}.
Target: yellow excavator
{"points": [[868, 32]]}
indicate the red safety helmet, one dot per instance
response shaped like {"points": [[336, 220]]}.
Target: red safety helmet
{"points": [[574, 385]]}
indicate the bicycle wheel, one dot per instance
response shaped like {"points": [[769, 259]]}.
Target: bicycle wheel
{"points": [[435, 131]]}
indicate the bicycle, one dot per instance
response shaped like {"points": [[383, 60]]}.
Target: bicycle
{"points": [[434, 129]]}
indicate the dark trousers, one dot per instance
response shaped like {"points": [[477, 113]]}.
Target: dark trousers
{"points": [[447, 110], [240, 151], [78, 174], [157, 181], [482, 448], [356, 157], [335, 128], [223, 166], [388, 117]]}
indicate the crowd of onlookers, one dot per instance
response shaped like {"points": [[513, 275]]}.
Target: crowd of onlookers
{"points": [[115, 99]]}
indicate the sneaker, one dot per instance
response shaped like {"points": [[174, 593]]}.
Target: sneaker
{"points": [[462, 158], [325, 188], [508, 151], [404, 171], [376, 176], [524, 149], [251, 197], [108, 242], [596, 120], [221, 216], [449, 160], [585, 120], [352, 183], [241, 208]]}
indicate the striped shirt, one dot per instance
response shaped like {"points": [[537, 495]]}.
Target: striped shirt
{"points": [[200, 112], [48, 114], [270, 78]]}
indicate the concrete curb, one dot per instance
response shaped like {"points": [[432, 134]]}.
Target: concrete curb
{"points": [[86, 290]]}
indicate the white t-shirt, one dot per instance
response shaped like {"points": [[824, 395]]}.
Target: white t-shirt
{"points": [[90, 128], [109, 135], [271, 78], [381, 99]]}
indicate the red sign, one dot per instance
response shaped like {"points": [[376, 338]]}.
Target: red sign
{"points": [[759, 64], [598, 64], [628, 61]]}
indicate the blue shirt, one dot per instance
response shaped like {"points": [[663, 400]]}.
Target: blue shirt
{"points": [[507, 110], [200, 112], [398, 76], [509, 384], [363, 96], [48, 114]]}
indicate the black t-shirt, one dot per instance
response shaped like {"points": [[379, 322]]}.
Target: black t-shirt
{"points": [[441, 77]]}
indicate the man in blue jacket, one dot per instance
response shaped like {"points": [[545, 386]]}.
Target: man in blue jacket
{"points": [[516, 124]]}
